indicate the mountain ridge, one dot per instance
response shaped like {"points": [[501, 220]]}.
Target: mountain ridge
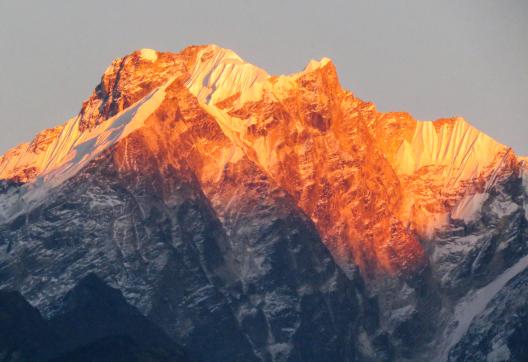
{"points": [[222, 57], [132, 87], [283, 209]]}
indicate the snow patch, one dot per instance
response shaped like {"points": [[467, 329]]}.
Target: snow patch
{"points": [[401, 315], [499, 353], [149, 55], [468, 209], [280, 351], [505, 208]]}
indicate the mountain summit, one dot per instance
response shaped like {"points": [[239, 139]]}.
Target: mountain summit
{"points": [[195, 181]]}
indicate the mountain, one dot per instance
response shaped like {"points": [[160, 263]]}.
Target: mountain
{"points": [[24, 334], [93, 318], [256, 217]]}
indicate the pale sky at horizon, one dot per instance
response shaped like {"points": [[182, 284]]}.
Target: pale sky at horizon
{"points": [[432, 59]]}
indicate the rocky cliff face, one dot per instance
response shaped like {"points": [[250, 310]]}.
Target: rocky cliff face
{"points": [[498, 331], [259, 217]]}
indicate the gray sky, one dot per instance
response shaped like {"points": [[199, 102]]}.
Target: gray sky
{"points": [[431, 58]]}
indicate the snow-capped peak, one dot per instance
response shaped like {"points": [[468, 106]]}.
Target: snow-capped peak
{"points": [[316, 64], [220, 73]]}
